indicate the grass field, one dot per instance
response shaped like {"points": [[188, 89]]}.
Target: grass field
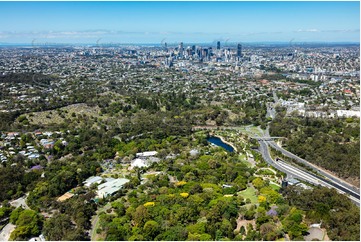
{"points": [[275, 187], [250, 130], [250, 193], [255, 130], [244, 159], [58, 116]]}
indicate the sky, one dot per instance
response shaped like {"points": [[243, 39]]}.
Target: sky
{"points": [[172, 22]]}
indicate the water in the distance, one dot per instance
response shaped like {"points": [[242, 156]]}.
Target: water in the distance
{"points": [[217, 141]]}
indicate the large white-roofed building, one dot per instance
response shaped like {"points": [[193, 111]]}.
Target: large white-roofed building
{"points": [[110, 187], [91, 180]]}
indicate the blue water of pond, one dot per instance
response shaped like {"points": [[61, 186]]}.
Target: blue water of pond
{"points": [[217, 141]]}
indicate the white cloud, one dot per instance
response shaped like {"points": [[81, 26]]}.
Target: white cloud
{"points": [[307, 30], [342, 31]]}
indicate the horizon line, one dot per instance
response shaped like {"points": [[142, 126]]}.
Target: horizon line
{"points": [[176, 43]]}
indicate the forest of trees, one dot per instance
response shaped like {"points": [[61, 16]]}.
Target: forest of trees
{"points": [[339, 216]]}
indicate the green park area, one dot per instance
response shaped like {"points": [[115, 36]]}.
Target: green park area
{"points": [[250, 193], [275, 187], [250, 130]]}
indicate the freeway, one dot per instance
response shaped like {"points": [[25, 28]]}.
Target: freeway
{"points": [[314, 167], [295, 172], [319, 170]]}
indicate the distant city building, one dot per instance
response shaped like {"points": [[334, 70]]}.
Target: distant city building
{"points": [[239, 50], [189, 51], [181, 49], [193, 48], [218, 45], [209, 52]]}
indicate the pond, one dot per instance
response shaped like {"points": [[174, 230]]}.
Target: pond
{"points": [[217, 141]]}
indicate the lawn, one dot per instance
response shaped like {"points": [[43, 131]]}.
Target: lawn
{"points": [[255, 130], [59, 115], [250, 193], [250, 130], [275, 187], [243, 158]]}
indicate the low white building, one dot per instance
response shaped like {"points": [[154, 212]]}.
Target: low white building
{"points": [[91, 180], [146, 154], [348, 113], [110, 187], [138, 163]]}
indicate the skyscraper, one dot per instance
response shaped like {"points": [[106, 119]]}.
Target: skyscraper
{"points": [[181, 48], [239, 50], [218, 45], [193, 49]]}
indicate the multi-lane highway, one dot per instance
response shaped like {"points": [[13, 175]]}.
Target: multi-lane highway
{"points": [[326, 179], [319, 170], [295, 172], [314, 167]]}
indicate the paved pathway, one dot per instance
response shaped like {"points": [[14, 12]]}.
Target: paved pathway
{"points": [[6, 231], [95, 220], [20, 202]]}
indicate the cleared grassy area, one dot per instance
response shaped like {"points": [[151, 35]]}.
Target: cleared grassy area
{"points": [[275, 187], [250, 193], [255, 130], [59, 115], [250, 130], [243, 158]]}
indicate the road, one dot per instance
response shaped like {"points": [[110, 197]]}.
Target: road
{"points": [[314, 167], [20, 202], [295, 172], [6, 231], [95, 221], [319, 170]]}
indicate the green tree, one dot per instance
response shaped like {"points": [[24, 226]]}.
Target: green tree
{"points": [[57, 227], [28, 224], [14, 216], [151, 229]]}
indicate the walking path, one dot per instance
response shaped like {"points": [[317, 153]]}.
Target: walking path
{"points": [[6, 231]]}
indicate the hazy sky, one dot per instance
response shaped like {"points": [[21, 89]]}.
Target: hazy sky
{"points": [[152, 22]]}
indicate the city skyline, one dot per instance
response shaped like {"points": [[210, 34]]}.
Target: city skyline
{"points": [[197, 22]]}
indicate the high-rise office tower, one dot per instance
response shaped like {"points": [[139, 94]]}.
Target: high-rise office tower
{"points": [[239, 50], [189, 51], [209, 52], [199, 52], [218, 45], [181, 47], [193, 49], [203, 53]]}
